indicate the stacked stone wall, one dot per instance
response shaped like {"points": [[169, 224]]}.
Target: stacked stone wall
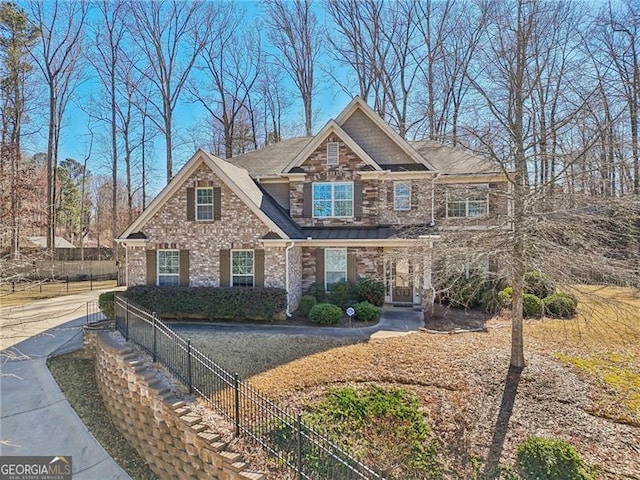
{"points": [[168, 434]]}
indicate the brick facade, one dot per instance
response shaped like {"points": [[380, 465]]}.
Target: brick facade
{"points": [[238, 228], [369, 263]]}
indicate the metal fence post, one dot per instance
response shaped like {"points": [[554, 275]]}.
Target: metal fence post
{"points": [[126, 321], [154, 337], [87, 317], [189, 373], [299, 446], [67, 283], [236, 402]]}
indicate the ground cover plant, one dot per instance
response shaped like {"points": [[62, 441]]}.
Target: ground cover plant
{"points": [[461, 381]]}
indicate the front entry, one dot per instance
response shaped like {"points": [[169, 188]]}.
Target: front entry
{"points": [[400, 281]]}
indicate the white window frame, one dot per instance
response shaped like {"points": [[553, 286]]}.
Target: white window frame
{"points": [[333, 199], [243, 275], [164, 275], [203, 204], [326, 252], [463, 195], [333, 158], [396, 197]]}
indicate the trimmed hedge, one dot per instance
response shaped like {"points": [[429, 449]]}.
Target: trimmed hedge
{"points": [[210, 303], [550, 458], [367, 312], [325, 314], [318, 292], [560, 305], [371, 290], [306, 304], [106, 304], [532, 306], [538, 284]]}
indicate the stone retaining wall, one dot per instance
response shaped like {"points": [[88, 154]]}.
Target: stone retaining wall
{"points": [[167, 433]]}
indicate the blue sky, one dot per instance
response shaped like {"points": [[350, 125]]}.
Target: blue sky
{"points": [[75, 136]]}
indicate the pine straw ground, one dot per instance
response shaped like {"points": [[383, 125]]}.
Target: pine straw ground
{"points": [[581, 383]]}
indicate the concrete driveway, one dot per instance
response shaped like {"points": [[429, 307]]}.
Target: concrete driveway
{"points": [[35, 418]]}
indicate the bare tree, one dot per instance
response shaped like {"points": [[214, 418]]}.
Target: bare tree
{"points": [[294, 31], [230, 65], [60, 26], [171, 35]]}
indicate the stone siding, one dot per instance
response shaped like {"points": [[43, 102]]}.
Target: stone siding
{"points": [[420, 213], [295, 277], [369, 263], [168, 434], [317, 170], [498, 208], [238, 228]]}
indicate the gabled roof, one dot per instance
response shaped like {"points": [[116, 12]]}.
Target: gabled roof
{"points": [[328, 129], [454, 160], [41, 242], [237, 179], [270, 160], [359, 105]]}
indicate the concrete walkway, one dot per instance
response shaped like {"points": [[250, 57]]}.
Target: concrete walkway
{"points": [[393, 322], [35, 417]]}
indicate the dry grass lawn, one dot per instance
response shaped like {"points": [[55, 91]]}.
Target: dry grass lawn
{"points": [[581, 383], [39, 291]]}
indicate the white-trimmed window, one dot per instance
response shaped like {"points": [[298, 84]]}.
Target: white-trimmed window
{"points": [[168, 267], [204, 203], [333, 149], [335, 266], [468, 201], [333, 199], [242, 268], [402, 195]]}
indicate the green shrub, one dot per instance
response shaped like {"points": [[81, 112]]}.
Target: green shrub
{"points": [[532, 306], [367, 312], [325, 314], [458, 291], [106, 304], [211, 303], [371, 290], [560, 305], [551, 459], [505, 296], [341, 294], [306, 304], [318, 292], [538, 284]]}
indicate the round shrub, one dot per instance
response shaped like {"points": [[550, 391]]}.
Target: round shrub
{"points": [[341, 294], [538, 284], [325, 314], [306, 304], [550, 458], [371, 290], [532, 306], [367, 312], [505, 297], [318, 292], [560, 305], [106, 304]]}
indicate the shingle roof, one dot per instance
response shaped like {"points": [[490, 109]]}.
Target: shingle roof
{"points": [[280, 216], [270, 160], [348, 233], [450, 160]]}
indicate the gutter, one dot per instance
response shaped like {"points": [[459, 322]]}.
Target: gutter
{"points": [[286, 275]]}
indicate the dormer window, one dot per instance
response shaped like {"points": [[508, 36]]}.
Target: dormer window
{"points": [[332, 153]]}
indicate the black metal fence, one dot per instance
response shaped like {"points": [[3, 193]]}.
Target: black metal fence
{"points": [[308, 453]]}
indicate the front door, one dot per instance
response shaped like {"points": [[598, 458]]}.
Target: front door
{"points": [[402, 281]]}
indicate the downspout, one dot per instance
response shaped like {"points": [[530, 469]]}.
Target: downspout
{"points": [[286, 276], [432, 223]]}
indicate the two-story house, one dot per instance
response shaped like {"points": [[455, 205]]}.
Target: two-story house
{"points": [[354, 201]]}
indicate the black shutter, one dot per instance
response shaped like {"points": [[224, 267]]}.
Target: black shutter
{"points": [[191, 204], [357, 200], [225, 268], [390, 194], [320, 267], [151, 267], [258, 268], [352, 271], [217, 204], [307, 199], [184, 268], [414, 194]]}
